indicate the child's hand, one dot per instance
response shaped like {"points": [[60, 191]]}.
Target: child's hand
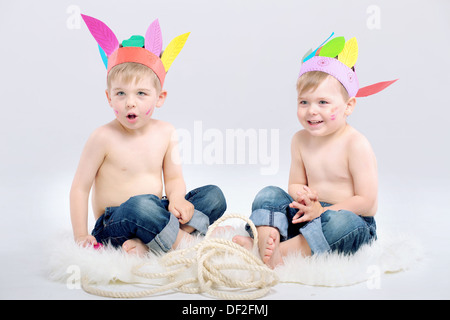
{"points": [[85, 241], [308, 206], [182, 209], [307, 192]]}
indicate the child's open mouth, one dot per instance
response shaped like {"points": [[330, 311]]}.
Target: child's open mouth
{"points": [[131, 117], [314, 122]]}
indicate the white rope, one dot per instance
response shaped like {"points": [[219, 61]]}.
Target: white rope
{"points": [[212, 276]]}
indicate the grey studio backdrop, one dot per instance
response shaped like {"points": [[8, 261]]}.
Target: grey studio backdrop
{"points": [[234, 79]]}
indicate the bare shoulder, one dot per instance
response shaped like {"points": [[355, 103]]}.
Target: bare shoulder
{"points": [[356, 138], [300, 137], [357, 143], [162, 128], [101, 134], [163, 125]]}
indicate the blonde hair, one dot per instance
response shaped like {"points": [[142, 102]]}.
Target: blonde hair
{"points": [[130, 71], [310, 81]]}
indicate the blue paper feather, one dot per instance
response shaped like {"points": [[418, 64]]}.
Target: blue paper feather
{"points": [[104, 57]]}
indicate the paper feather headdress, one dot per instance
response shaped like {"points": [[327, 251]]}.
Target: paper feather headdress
{"points": [[144, 50], [337, 57]]}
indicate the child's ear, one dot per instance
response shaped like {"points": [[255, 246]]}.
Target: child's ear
{"points": [[108, 97], [161, 98], [350, 106]]}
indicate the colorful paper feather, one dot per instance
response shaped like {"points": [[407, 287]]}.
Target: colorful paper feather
{"points": [[104, 57], [104, 36], [332, 48], [153, 38], [313, 53], [349, 54], [173, 49], [306, 54], [374, 88]]}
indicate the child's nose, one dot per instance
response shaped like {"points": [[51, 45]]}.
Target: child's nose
{"points": [[131, 102], [313, 109]]}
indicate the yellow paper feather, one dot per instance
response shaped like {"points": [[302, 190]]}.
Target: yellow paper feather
{"points": [[349, 54], [173, 49]]}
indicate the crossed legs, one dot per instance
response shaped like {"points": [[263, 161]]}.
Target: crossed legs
{"points": [[137, 247]]}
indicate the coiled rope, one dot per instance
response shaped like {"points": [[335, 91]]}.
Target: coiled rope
{"points": [[212, 276]]}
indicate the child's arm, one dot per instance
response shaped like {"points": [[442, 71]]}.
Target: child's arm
{"points": [[297, 174], [175, 186], [305, 200], [91, 159], [363, 169]]}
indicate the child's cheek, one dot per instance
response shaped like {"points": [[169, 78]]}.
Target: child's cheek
{"points": [[116, 112], [333, 114], [149, 111]]}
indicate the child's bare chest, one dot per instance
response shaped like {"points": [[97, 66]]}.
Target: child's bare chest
{"points": [[328, 163], [142, 156]]}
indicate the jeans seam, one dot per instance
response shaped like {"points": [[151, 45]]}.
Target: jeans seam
{"points": [[125, 220], [271, 218], [160, 244], [354, 231], [158, 239]]}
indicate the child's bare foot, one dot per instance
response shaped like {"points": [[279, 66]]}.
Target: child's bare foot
{"points": [[269, 246], [244, 241], [135, 246]]}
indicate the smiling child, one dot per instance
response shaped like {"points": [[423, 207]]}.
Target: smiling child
{"points": [[332, 192]]}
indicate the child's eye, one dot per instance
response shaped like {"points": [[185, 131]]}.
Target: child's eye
{"points": [[120, 93], [323, 102], [141, 93], [303, 102]]}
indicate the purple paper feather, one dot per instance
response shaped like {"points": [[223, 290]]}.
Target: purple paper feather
{"points": [[153, 38], [104, 36]]}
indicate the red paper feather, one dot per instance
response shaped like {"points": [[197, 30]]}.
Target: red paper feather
{"points": [[374, 88]]}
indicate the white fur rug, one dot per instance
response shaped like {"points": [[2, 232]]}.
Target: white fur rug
{"points": [[390, 253]]}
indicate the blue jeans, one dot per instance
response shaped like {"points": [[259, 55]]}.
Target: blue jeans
{"points": [[147, 217], [340, 231]]}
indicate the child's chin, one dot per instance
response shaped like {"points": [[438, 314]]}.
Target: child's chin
{"points": [[317, 132]]}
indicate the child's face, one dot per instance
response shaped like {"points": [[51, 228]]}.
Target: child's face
{"points": [[134, 102], [324, 111]]}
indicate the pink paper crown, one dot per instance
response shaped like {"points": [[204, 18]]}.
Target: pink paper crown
{"points": [[146, 51], [337, 58]]}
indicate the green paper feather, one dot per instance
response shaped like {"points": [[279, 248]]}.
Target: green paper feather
{"points": [[349, 54], [333, 48], [134, 41]]}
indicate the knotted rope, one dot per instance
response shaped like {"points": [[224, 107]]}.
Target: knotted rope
{"points": [[212, 276]]}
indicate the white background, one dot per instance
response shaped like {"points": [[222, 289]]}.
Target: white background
{"points": [[237, 70]]}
